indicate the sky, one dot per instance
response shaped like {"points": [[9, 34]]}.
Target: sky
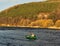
{"points": [[4, 4]]}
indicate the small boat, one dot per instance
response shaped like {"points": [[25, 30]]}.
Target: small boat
{"points": [[31, 37]]}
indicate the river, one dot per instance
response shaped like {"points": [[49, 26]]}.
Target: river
{"points": [[45, 37]]}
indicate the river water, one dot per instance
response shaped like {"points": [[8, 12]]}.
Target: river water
{"points": [[45, 37]]}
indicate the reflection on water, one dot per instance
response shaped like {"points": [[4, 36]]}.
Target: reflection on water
{"points": [[45, 37]]}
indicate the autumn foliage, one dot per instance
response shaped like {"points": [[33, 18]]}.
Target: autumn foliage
{"points": [[41, 14], [42, 23]]}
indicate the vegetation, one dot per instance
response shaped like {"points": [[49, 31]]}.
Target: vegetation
{"points": [[57, 24], [53, 0], [44, 23], [55, 15], [28, 14]]}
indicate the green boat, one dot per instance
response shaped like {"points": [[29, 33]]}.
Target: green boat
{"points": [[31, 37]]}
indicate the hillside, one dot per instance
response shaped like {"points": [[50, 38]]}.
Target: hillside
{"points": [[53, 0], [25, 14]]}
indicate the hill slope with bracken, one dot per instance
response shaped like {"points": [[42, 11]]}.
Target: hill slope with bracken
{"points": [[29, 13]]}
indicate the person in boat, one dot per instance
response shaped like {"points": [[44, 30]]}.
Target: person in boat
{"points": [[32, 36]]}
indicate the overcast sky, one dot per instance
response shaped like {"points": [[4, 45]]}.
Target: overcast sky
{"points": [[4, 4]]}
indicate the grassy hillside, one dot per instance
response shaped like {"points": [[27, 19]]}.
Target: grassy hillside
{"points": [[30, 9], [26, 13]]}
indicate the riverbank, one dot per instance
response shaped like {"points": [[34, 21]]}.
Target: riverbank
{"points": [[26, 27]]}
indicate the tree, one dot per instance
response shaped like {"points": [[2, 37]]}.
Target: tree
{"points": [[37, 23], [24, 22], [55, 15], [57, 24], [42, 23], [49, 23]]}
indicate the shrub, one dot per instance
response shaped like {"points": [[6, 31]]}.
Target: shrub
{"points": [[42, 23], [57, 24]]}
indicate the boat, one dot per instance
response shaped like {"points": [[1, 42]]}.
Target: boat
{"points": [[31, 37]]}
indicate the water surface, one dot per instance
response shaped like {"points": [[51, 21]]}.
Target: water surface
{"points": [[45, 37]]}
